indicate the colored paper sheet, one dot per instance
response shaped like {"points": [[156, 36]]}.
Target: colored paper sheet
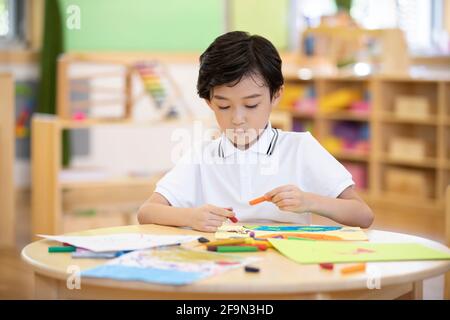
{"points": [[121, 241], [228, 231], [169, 266], [308, 252]]}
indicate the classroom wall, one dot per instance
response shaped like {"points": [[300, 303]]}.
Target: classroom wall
{"points": [[268, 18], [123, 25], [172, 25]]}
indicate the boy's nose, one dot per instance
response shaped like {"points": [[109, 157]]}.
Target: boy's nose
{"points": [[238, 118]]}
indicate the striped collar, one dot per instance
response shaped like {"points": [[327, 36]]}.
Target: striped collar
{"points": [[264, 145]]}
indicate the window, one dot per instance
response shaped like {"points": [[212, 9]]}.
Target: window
{"points": [[12, 21], [420, 20]]}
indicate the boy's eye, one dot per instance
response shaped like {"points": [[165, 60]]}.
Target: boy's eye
{"points": [[224, 108], [253, 106]]}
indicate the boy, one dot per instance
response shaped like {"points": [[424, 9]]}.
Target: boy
{"points": [[241, 81]]}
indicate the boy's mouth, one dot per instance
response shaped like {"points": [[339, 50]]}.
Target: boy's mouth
{"points": [[240, 131]]}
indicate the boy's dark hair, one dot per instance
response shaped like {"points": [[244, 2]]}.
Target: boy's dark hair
{"points": [[237, 54]]}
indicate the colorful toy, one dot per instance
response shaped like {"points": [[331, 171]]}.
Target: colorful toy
{"points": [[160, 87], [338, 100]]}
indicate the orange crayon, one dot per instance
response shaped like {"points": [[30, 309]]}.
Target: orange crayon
{"points": [[258, 200], [361, 267]]}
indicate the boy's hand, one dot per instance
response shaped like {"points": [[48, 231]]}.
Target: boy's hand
{"points": [[290, 198], [208, 218]]}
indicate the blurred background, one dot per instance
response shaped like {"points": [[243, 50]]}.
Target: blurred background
{"points": [[91, 93]]}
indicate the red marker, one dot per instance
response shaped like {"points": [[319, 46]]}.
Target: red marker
{"points": [[233, 219], [326, 266]]}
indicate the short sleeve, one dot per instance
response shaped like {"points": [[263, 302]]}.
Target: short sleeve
{"points": [[321, 172], [180, 186]]}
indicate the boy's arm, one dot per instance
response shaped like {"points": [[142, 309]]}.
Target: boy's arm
{"points": [[348, 209], [206, 218], [159, 211]]}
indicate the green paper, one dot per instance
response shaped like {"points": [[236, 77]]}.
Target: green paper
{"points": [[309, 252]]}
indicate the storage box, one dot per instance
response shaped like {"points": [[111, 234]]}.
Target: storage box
{"points": [[407, 182], [412, 107], [407, 148]]}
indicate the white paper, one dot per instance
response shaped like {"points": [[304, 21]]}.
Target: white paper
{"points": [[121, 241]]}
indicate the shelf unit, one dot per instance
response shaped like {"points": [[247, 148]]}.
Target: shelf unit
{"points": [[61, 206], [56, 203], [384, 125], [7, 153]]}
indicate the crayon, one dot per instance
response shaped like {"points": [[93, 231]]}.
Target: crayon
{"points": [[252, 241], [203, 240], [226, 242], [361, 267], [327, 266], [233, 248], [61, 249], [261, 247], [233, 219], [258, 200], [251, 269]]}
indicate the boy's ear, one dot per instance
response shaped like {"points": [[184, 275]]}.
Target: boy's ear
{"points": [[277, 96], [208, 102]]}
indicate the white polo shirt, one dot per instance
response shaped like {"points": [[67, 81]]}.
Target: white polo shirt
{"points": [[218, 173]]}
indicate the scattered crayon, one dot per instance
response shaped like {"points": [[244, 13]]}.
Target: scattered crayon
{"points": [[327, 266], [233, 248], [58, 249], [202, 240], [251, 269], [361, 267], [227, 242]]}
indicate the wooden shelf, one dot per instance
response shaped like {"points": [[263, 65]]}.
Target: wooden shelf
{"points": [[346, 116], [392, 118], [88, 123], [447, 165], [425, 163], [112, 182], [351, 156], [402, 200], [303, 115]]}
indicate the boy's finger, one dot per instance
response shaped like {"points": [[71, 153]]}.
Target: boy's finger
{"points": [[281, 196], [221, 212], [214, 223], [269, 195], [210, 229], [219, 219]]}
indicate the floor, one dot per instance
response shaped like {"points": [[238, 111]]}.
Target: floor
{"points": [[16, 280]]}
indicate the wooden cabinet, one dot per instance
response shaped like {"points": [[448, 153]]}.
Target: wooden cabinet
{"points": [[356, 119]]}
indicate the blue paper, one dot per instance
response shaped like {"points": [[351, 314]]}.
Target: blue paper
{"points": [[294, 228], [152, 275]]}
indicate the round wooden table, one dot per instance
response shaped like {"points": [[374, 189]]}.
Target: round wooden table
{"points": [[279, 277]]}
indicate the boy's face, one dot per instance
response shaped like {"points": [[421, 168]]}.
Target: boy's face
{"points": [[242, 110]]}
